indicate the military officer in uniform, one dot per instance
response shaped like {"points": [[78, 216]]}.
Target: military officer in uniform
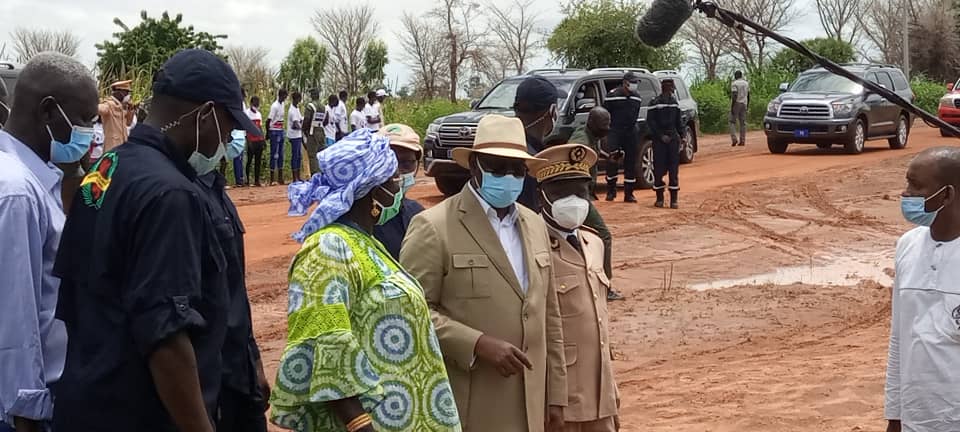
{"points": [[582, 286], [665, 121], [116, 113], [624, 103], [315, 139]]}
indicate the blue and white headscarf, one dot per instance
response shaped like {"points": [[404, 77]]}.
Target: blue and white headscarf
{"points": [[349, 170]]}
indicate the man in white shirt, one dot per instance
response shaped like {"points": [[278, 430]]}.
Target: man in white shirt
{"points": [[923, 379], [342, 114], [275, 125], [295, 136], [372, 112], [332, 127], [739, 105], [358, 118]]}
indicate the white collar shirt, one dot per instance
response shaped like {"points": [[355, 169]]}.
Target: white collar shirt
{"points": [[508, 232], [923, 382]]}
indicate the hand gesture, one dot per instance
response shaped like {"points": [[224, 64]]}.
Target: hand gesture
{"points": [[506, 358]]}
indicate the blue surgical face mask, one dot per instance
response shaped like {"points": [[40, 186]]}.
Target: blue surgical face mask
{"points": [[406, 182], [500, 192], [237, 143], [914, 209], [72, 151], [200, 162]]}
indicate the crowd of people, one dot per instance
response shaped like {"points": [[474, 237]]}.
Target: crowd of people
{"points": [[127, 310]]}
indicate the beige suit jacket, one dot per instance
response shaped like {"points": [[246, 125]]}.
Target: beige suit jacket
{"points": [[472, 290], [582, 291]]}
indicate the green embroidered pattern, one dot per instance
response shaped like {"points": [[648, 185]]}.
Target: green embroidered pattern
{"points": [[358, 325]]}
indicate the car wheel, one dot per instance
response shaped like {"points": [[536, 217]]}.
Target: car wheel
{"points": [[854, 144], [903, 132], [776, 146], [646, 165], [824, 146], [450, 186], [689, 149]]}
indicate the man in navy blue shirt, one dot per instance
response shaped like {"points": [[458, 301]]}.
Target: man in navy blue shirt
{"points": [[405, 143], [144, 292]]}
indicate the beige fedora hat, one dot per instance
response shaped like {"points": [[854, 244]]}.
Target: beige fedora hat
{"points": [[496, 136]]}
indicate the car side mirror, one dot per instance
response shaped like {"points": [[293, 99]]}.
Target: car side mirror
{"points": [[784, 87], [474, 103], [585, 105]]}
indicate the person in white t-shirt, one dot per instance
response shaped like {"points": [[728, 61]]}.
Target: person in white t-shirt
{"points": [[332, 128], [275, 125], [372, 112], [923, 382], [295, 134], [343, 115], [358, 119]]}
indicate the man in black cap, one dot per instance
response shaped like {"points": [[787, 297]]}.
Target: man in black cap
{"points": [[144, 290], [536, 106], [665, 121], [624, 105]]}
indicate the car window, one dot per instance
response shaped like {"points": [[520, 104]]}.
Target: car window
{"points": [[899, 81], [825, 82], [504, 94], [611, 84], [648, 90], [681, 89], [885, 80]]}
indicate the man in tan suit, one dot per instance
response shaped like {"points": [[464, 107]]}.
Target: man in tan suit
{"points": [[117, 114], [582, 286], [484, 263]]}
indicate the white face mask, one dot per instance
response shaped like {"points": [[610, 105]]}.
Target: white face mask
{"points": [[126, 98], [569, 212]]}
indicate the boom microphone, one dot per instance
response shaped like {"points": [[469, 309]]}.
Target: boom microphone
{"points": [[662, 21]]}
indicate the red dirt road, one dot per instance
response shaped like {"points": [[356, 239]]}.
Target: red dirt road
{"points": [[758, 354]]}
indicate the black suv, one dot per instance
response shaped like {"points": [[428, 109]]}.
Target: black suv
{"points": [[584, 89], [825, 109]]}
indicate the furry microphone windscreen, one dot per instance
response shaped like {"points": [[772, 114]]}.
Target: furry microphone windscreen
{"points": [[662, 21]]}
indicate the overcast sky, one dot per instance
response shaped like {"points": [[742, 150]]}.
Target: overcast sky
{"points": [[271, 24]]}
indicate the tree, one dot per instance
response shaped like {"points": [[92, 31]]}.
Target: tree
{"points": [[139, 52], [934, 41], [252, 68], [881, 25], [374, 60], [515, 28], [464, 43], [601, 33], [753, 50], [30, 42], [791, 62], [711, 41], [303, 67], [346, 32], [839, 18], [423, 50]]}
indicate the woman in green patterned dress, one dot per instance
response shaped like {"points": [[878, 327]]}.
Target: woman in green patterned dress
{"points": [[360, 341]]}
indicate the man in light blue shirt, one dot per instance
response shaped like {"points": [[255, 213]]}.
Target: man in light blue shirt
{"points": [[55, 107]]}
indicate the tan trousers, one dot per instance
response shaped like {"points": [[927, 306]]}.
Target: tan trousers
{"points": [[602, 425]]}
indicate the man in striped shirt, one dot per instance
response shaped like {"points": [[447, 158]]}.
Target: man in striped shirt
{"points": [[624, 105]]}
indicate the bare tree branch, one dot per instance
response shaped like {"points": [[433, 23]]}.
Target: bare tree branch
{"points": [[754, 50], [839, 18], [880, 23], [711, 40], [462, 39], [423, 49], [346, 31], [252, 68], [30, 42], [515, 28]]}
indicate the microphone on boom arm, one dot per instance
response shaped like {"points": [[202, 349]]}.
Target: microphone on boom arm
{"points": [[658, 26]]}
